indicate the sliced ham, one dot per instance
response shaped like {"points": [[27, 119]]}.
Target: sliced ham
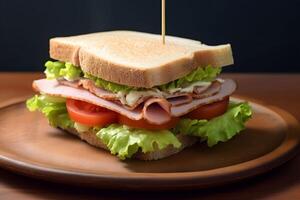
{"points": [[179, 99], [90, 86], [157, 111], [74, 84], [104, 94], [175, 99], [200, 89], [226, 89], [52, 87], [154, 110], [213, 89], [138, 102]]}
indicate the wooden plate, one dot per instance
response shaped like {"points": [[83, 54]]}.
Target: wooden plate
{"points": [[31, 147]]}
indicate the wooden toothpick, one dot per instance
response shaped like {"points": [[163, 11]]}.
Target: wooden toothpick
{"points": [[163, 21]]}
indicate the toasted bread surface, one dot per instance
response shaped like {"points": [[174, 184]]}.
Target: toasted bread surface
{"points": [[91, 138], [137, 59]]}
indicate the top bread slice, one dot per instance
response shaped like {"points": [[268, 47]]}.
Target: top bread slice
{"points": [[137, 59]]}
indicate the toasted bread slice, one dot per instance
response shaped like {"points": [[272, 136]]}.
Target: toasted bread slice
{"points": [[91, 138], [137, 59]]}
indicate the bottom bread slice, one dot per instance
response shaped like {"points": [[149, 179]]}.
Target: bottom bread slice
{"points": [[91, 138]]}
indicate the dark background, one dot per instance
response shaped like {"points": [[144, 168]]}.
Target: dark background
{"points": [[265, 34]]}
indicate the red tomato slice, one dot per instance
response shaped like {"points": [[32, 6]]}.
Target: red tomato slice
{"points": [[142, 123], [89, 114], [210, 111]]}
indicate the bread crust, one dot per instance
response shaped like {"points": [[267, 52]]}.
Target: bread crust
{"points": [[91, 138], [137, 59]]}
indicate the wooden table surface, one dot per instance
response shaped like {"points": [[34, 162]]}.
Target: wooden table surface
{"points": [[282, 90]]}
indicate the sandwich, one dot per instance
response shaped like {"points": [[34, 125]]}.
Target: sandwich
{"points": [[128, 93]]}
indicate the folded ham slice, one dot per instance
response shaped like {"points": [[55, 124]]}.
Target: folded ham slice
{"points": [[177, 100], [213, 89], [154, 110], [157, 110]]}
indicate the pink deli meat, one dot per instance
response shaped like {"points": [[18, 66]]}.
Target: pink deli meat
{"points": [[176, 99], [154, 110]]}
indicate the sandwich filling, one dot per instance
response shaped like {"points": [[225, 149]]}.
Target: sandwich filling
{"points": [[128, 119]]}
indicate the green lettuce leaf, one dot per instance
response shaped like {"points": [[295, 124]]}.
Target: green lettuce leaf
{"points": [[53, 108], [207, 74], [53, 69], [219, 129], [70, 72], [58, 69], [124, 141], [113, 87]]}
